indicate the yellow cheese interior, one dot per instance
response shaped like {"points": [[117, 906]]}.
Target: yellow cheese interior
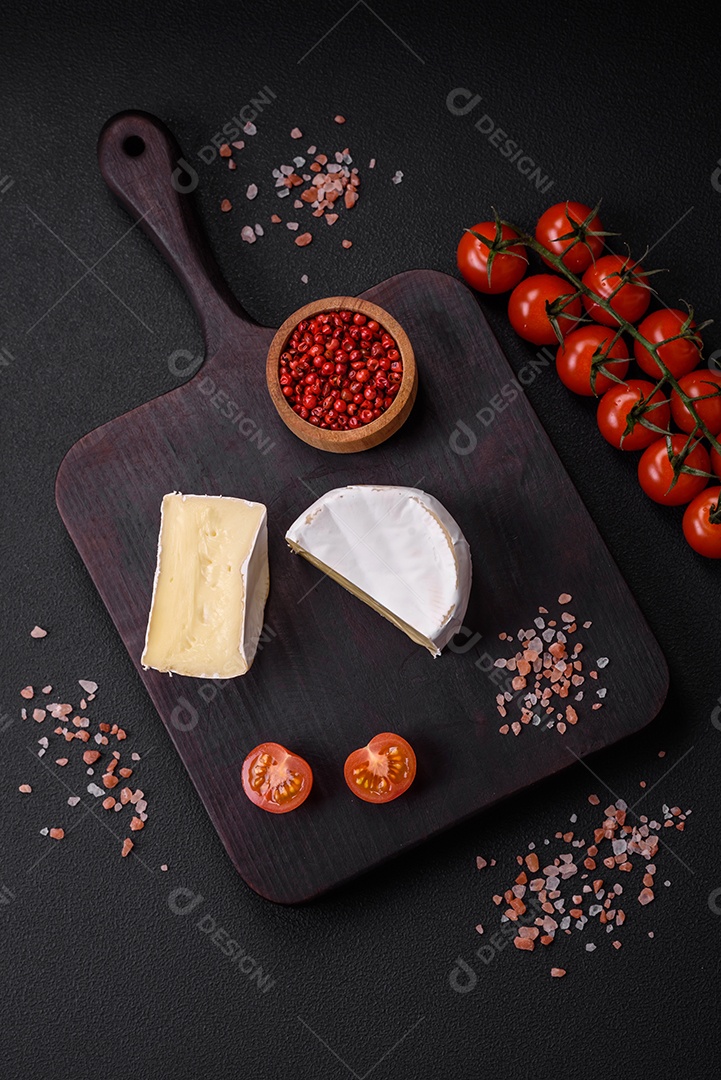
{"points": [[197, 617], [412, 633]]}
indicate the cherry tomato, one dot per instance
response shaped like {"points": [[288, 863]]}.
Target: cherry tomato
{"points": [[579, 245], [679, 356], [655, 472], [715, 461], [276, 780], [506, 267], [616, 404], [527, 308], [698, 384], [701, 533], [574, 356], [382, 770], [605, 277]]}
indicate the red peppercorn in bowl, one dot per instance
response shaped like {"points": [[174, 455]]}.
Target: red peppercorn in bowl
{"points": [[342, 374]]}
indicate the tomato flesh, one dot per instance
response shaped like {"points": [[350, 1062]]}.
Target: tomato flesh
{"points": [[382, 770], [507, 267], [574, 357], [655, 472], [559, 221], [629, 299], [699, 384], [701, 533], [616, 404], [276, 780], [680, 356], [527, 308]]}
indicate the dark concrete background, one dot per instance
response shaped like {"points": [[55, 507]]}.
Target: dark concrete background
{"points": [[102, 975]]}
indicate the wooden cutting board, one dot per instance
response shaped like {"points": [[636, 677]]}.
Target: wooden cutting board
{"points": [[331, 673]]}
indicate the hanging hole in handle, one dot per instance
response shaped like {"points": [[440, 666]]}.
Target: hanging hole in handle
{"points": [[134, 145]]}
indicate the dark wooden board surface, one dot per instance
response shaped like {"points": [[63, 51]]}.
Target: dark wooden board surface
{"points": [[331, 673]]}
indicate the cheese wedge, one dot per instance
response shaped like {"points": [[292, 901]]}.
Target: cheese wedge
{"points": [[395, 548], [211, 584]]}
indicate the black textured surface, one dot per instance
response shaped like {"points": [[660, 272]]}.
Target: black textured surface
{"points": [[101, 973]]}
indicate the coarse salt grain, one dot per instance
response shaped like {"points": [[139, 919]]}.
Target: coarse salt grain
{"points": [[38, 632], [251, 191], [25, 788], [248, 234], [296, 133]]}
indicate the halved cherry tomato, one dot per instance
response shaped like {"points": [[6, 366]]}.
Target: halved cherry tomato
{"points": [[699, 384], [382, 770], [680, 356], [616, 404], [581, 247], [655, 472], [574, 356], [472, 256], [527, 308], [276, 780], [619, 275], [702, 534]]}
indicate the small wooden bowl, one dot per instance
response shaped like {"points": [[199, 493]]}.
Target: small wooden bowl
{"points": [[360, 438]]}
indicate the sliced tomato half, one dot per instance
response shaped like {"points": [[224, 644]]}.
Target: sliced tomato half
{"points": [[382, 770], [275, 779]]}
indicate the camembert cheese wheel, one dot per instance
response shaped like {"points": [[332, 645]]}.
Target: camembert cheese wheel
{"points": [[397, 549]]}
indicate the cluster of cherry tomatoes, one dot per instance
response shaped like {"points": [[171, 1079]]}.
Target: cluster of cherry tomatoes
{"points": [[277, 780], [594, 358]]}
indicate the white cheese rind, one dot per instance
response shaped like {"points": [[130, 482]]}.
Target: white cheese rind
{"points": [[400, 548], [210, 586]]}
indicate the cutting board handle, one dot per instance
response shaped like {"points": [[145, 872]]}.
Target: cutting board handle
{"points": [[143, 166]]}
